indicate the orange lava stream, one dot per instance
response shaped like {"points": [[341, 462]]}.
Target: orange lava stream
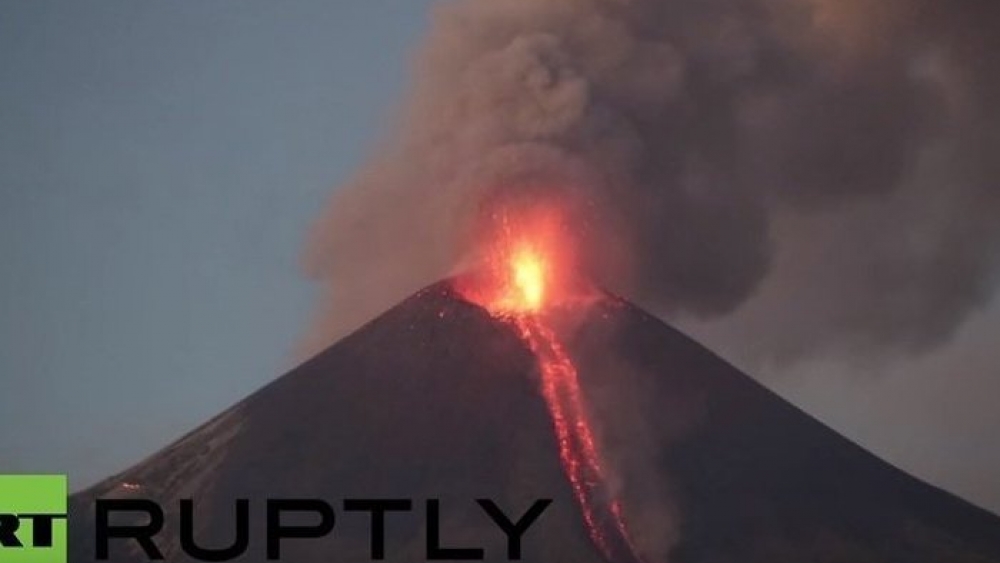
{"points": [[577, 448], [527, 270]]}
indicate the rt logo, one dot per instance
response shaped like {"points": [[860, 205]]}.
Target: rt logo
{"points": [[33, 519]]}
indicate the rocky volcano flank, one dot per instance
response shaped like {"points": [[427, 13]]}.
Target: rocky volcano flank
{"points": [[437, 399]]}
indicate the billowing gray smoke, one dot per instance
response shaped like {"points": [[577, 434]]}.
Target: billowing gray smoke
{"points": [[824, 170]]}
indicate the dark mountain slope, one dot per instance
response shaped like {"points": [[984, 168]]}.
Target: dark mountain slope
{"points": [[436, 399], [750, 477]]}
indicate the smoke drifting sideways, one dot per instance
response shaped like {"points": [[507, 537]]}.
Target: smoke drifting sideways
{"points": [[823, 172]]}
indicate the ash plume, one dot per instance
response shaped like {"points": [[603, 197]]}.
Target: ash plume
{"points": [[823, 169]]}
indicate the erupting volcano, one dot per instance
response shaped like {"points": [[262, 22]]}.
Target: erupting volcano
{"points": [[522, 261], [521, 381]]}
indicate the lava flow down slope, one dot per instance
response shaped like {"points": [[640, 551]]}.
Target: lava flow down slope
{"points": [[517, 383]]}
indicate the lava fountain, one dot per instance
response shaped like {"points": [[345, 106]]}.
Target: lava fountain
{"points": [[524, 281]]}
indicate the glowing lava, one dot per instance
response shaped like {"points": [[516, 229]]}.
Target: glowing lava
{"points": [[529, 278], [523, 285]]}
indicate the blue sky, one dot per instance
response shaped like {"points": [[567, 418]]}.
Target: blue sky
{"points": [[160, 163]]}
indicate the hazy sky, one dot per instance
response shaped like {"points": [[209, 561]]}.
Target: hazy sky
{"points": [[159, 166]]}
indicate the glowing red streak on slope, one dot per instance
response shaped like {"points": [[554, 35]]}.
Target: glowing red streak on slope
{"points": [[523, 284], [577, 447]]}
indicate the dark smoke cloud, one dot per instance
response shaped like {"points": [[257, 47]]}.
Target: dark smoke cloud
{"points": [[824, 169]]}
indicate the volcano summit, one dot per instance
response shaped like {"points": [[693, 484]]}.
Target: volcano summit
{"points": [[439, 398]]}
